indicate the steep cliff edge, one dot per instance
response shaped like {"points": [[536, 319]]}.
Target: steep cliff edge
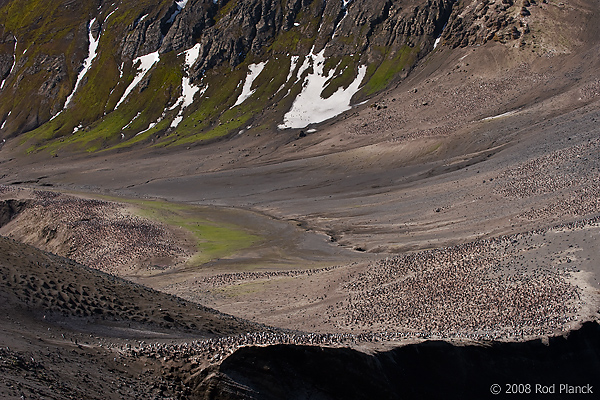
{"points": [[416, 371]]}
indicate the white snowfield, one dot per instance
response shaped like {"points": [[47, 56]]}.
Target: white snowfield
{"points": [[255, 70], [310, 107], [145, 64], [191, 55], [87, 63]]}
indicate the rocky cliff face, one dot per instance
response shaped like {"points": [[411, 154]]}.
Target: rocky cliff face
{"points": [[476, 23], [94, 74]]}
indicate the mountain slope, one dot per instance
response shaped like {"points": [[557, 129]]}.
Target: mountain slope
{"points": [[96, 74], [93, 75]]}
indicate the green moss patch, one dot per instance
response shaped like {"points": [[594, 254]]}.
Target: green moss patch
{"points": [[380, 76], [214, 238]]}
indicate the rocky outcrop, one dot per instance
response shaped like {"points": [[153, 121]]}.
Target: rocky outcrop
{"points": [[432, 370], [250, 27], [474, 23], [56, 70], [9, 209], [7, 58], [189, 25]]}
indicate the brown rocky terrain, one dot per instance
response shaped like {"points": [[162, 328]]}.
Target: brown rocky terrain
{"points": [[459, 205]]}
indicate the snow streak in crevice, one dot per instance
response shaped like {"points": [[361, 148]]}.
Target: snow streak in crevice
{"points": [[13, 64], [87, 63], [180, 5], [188, 91], [145, 64], [439, 38], [345, 11], [247, 91], [6, 119], [293, 65], [109, 14]]}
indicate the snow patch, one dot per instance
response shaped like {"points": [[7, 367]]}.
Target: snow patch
{"points": [[175, 123], [146, 62], [87, 63], [192, 55], [305, 65], [506, 114], [131, 122], [152, 125], [309, 107], [188, 91], [12, 67], [293, 64], [255, 70]]}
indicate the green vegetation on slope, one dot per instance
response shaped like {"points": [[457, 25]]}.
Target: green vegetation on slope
{"points": [[214, 239], [163, 83], [380, 76], [91, 123]]}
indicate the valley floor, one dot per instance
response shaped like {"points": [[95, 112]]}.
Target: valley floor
{"points": [[471, 220]]}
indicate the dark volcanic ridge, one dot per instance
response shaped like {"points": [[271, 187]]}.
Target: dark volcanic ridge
{"points": [[425, 370]]}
